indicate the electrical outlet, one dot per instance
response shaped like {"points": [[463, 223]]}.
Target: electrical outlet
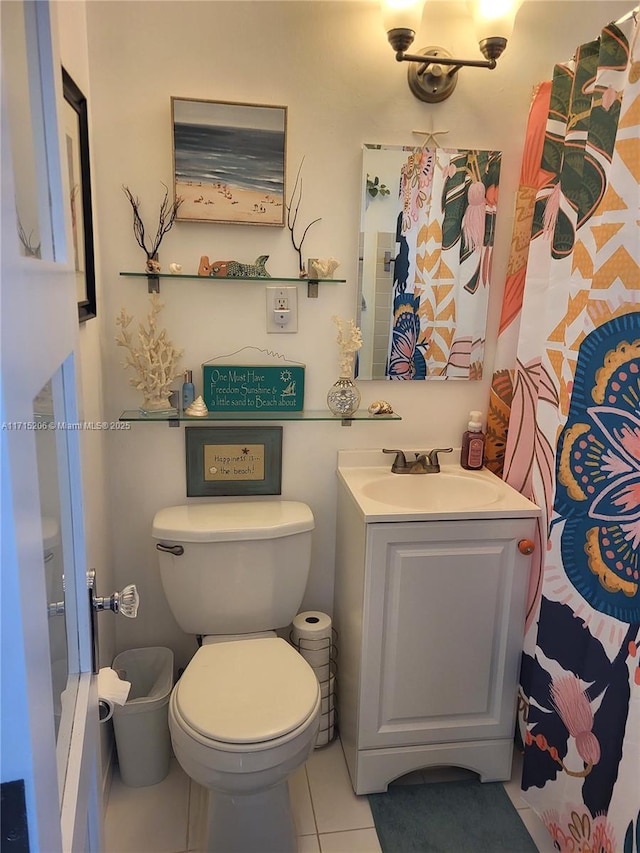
{"points": [[282, 309]]}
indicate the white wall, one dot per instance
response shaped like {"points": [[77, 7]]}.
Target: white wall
{"points": [[330, 63]]}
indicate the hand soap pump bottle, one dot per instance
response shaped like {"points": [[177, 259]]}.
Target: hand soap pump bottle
{"points": [[472, 452], [188, 390]]}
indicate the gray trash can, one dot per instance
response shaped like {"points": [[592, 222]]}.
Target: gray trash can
{"points": [[141, 725]]}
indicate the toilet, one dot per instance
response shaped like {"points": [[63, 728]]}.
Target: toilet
{"points": [[245, 714]]}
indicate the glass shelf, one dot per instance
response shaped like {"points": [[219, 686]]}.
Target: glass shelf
{"points": [[153, 280], [307, 415]]}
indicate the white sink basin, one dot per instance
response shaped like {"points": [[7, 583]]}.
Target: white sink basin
{"points": [[444, 491], [453, 493]]}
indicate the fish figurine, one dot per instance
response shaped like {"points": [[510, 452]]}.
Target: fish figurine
{"points": [[234, 269]]}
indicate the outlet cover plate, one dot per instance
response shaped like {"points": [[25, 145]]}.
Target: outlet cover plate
{"points": [[282, 309]]}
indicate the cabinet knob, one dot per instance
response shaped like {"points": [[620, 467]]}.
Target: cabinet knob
{"points": [[526, 546]]}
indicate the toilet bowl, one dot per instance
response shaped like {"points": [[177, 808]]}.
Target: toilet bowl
{"points": [[245, 714], [243, 718]]}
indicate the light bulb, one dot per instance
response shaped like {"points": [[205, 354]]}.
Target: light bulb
{"points": [[401, 14], [494, 17]]}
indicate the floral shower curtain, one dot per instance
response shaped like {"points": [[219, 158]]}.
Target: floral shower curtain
{"points": [[444, 235], [564, 428]]}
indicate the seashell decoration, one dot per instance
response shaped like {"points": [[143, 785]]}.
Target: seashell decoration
{"points": [[175, 268], [197, 409], [380, 407]]}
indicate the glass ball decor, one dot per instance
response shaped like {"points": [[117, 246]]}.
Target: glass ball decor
{"points": [[343, 398]]}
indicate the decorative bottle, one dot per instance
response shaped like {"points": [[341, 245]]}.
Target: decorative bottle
{"points": [[473, 439], [344, 397], [188, 390]]}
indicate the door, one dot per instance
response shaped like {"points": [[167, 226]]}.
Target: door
{"points": [[49, 742], [447, 602]]}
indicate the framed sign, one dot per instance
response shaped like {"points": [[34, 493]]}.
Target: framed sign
{"points": [[233, 461], [229, 161], [253, 380], [76, 133], [253, 388]]}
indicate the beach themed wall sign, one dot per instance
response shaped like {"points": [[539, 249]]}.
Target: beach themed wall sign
{"points": [[233, 461], [229, 161], [253, 380]]}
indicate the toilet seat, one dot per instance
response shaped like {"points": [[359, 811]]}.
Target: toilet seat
{"points": [[246, 692]]}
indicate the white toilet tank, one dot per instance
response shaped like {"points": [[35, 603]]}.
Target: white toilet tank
{"points": [[234, 568]]}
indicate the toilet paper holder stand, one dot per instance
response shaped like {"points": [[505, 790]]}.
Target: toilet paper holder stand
{"points": [[328, 721]]}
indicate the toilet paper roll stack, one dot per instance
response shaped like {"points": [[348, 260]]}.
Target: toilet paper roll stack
{"points": [[312, 635]]}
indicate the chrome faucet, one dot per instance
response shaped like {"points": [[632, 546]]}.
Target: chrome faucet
{"points": [[424, 463]]}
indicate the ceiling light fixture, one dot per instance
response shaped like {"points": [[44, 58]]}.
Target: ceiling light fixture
{"points": [[433, 72]]}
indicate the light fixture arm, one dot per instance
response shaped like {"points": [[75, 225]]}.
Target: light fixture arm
{"points": [[429, 81], [445, 60]]}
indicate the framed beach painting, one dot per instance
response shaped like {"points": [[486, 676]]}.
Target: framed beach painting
{"points": [[229, 161]]}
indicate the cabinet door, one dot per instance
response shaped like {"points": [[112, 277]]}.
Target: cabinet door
{"points": [[444, 619]]}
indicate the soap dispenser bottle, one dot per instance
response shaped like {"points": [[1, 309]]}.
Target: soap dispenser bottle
{"points": [[188, 390], [473, 439]]}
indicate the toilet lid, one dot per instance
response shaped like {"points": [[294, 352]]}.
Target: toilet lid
{"points": [[246, 691]]}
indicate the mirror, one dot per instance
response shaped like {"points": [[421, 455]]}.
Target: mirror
{"points": [[427, 231], [25, 113], [52, 551]]}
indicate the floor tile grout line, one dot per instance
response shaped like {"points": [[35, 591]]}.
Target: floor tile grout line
{"points": [[313, 809]]}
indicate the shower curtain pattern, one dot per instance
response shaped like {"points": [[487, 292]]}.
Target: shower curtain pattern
{"points": [[444, 235], [571, 321]]}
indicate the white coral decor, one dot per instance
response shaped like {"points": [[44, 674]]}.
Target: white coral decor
{"points": [[153, 357], [349, 342]]}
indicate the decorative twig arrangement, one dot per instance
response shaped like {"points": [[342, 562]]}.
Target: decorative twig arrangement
{"points": [[153, 357], [30, 250], [166, 218], [293, 207]]}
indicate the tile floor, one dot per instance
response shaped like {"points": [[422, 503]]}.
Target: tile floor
{"points": [[170, 817]]}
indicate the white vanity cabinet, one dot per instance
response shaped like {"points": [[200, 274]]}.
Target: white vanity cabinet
{"points": [[430, 620]]}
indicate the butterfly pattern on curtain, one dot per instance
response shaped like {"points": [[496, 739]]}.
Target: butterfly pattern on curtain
{"points": [[444, 242], [564, 429]]}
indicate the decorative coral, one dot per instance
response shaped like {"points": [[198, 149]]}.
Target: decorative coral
{"points": [[322, 267], [349, 342], [153, 357]]}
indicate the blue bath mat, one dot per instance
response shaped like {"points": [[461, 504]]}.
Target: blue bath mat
{"points": [[451, 817]]}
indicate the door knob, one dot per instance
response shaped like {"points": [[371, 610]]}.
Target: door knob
{"points": [[526, 546], [125, 602]]}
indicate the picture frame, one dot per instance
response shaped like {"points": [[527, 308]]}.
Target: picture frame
{"points": [[76, 131], [233, 461], [229, 161]]}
